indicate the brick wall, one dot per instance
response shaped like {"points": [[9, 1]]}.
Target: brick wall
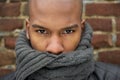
{"points": [[104, 17]]}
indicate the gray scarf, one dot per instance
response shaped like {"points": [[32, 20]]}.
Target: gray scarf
{"points": [[36, 65]]}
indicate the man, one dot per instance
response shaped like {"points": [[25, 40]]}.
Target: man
{"points": [[56, 45]]}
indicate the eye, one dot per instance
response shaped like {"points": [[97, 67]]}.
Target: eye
{"points": [[68, 31], [41, 31]]}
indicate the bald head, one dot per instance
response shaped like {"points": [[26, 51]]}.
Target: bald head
{"points": [[55, 7]]}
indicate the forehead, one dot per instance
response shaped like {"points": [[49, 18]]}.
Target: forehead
{"points": [[54, 7], [53, 4]]}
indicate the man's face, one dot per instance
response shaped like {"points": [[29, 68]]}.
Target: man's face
{"points": [[54, 26]]}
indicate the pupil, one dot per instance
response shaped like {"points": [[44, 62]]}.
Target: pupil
{"points": [[42, 31], [68, 31]]}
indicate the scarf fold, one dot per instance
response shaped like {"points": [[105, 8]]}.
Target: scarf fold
{"points": [[33, 64]]}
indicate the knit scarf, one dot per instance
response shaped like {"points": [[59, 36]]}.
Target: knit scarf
{"points": [[35, 65]]}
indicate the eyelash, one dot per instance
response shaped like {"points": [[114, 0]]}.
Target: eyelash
{"points": [[70, 31], [67, 31], [42, 31]]}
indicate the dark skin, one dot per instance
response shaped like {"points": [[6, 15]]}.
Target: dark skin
{"points": [[54, 26]]}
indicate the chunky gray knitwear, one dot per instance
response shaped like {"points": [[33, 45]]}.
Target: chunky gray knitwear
{"points": [[36, 65]]}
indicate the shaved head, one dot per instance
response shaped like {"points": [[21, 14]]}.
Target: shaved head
{"points": [[60, 6]]}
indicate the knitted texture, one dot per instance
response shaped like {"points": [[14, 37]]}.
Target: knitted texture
{"points": [[75, 65]]}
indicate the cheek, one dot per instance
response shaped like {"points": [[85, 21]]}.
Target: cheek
{"points": [[37, 42], [72, 42]]}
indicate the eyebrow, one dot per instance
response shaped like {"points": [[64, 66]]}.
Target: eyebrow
{"points": [[67, 27], [71, 26], [38, 26]]}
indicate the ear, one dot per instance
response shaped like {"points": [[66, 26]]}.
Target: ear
{"points": [[27, 28], [83, 23]]}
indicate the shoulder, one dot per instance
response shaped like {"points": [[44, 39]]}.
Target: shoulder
{"points": [[106, 67], [105, 71], [10, 76]]}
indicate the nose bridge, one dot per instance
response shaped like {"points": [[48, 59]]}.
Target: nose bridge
{"points": [[55, 45], [55, 39]]}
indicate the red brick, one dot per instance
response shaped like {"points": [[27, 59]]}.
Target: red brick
{"points": [[110, 57], [103, 9], [10, 42], [9, 9], [4, 72], [10, 24], [6, 58], [101, 41], [100, 24], [118, 40], [118, 24]]}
